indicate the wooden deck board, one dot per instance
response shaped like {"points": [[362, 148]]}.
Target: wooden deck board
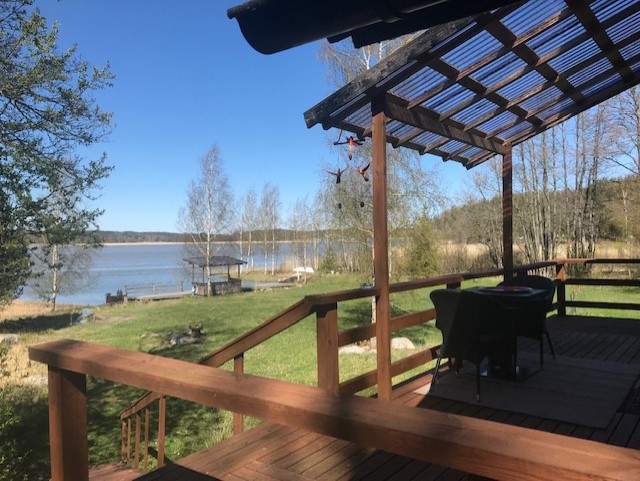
{"points": [[272, 452]]}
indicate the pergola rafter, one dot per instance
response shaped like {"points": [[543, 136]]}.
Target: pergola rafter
{"points": [[499, 78]]}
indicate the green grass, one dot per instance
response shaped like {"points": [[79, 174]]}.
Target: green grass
{"points": [[149, 327]]}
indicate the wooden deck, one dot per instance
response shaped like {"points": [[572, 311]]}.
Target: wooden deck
{"points": [[275, 452]]}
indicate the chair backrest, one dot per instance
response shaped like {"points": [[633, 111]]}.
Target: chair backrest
{"points": [[462, 317], [446, 302], [535, 282]]}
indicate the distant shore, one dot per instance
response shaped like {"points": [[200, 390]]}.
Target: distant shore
{"points": [[110, 244]]}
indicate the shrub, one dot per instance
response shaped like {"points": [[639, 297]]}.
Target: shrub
{"points": [[24, 454]]}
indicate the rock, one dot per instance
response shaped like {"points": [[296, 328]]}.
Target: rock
{"points": [[9, 338], [183, 339], [401, 343], [353, 349]]}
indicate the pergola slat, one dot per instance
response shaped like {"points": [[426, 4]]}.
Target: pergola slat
{"points": [[552, 61]]}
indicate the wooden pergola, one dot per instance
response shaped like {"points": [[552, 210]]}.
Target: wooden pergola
{"points": [[470, 89]]}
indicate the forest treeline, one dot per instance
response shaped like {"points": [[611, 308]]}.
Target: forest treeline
{"points": [[617, 220]]}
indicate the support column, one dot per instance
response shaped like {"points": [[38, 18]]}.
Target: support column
{"points": [[68, 443], [381, 248], [507, 212]]}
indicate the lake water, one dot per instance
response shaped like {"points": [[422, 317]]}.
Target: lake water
{"points": [[115, 266]]}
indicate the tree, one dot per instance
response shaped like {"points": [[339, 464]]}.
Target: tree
{"points": [[627, 118], [46, 112], [627, 156], [421, 259], [486, 224], [207, 213], [412, 190], [248, 223], [269, 218], [64, 228]]}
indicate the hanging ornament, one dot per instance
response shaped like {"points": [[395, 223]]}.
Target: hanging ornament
{"points": [[351, 141], [338, 174], [363, 172]]}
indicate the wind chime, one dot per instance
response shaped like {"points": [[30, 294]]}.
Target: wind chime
{"points": [[352, 143]]}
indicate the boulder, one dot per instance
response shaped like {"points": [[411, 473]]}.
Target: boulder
{"points": [[401, 343], [353, 349]]}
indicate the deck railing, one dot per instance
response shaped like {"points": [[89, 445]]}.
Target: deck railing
{"points": [[476, 446], [330, 339]]}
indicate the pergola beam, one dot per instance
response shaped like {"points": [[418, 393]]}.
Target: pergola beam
{"points": [[396, 108], [405, 61]]}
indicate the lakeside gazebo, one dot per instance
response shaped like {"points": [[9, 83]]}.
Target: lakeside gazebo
{"points": [[229, 285]]}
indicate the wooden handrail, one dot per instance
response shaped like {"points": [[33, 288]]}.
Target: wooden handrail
{"points": [[341, 296], [252, 338], [476, 446], [428, 282], [325, 306]]}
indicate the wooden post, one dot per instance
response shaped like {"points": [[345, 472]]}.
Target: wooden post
{"points": [[162, 413], [327, 329], [128, 441], [381, 247], [238, 418], [136, 453], [69, 447], [123, 444], [507, 212], [561, 277], [147, 414]]}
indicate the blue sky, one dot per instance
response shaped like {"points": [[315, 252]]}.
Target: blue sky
{"points": [[186, 79]]}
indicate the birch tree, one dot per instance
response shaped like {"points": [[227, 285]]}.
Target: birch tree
{"points": [[248, 225], [208, 210], [270, 216], [67, 229]]}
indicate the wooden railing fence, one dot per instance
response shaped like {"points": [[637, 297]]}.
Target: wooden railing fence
{"points": [[330, 339], [480, 447]]}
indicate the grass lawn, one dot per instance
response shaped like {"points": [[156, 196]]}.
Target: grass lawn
{"points": [[149, 327]]}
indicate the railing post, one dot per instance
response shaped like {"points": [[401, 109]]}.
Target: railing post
{"points": [[454, 285], [327, 329], [162, 412], [561, 277], [147, 414], [136, 454], [238, 418], [128, 441], [69, 447], [123, 443]]}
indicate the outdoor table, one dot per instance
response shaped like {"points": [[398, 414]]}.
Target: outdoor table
{"points": [[515, 300]]}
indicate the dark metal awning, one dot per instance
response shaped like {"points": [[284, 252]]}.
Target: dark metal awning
{"points": [[274, 25], [467, 89]]}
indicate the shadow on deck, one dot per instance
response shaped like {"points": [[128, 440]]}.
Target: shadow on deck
{"points": [[275, 452]]}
